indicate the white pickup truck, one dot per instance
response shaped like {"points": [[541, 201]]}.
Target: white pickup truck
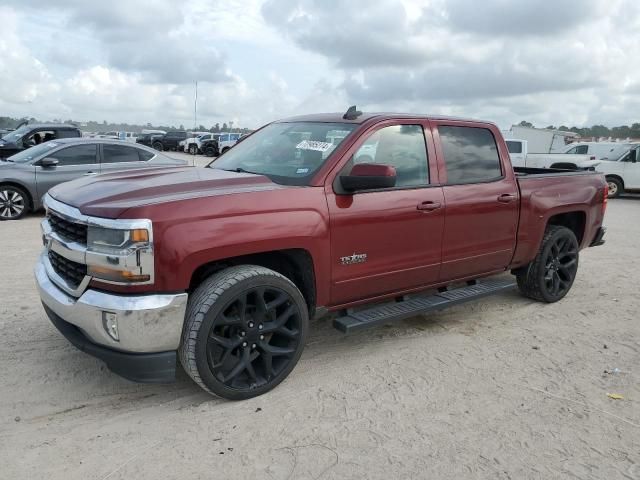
{"points": [[623, 174], [521, 158]]}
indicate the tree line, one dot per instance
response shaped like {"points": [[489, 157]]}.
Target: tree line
{"points": [[623, 131], [104, 126]]}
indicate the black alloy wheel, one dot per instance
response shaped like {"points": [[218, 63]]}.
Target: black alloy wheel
{"points": [[549, 277], [561, 266], [254, 338], [245, 329]]}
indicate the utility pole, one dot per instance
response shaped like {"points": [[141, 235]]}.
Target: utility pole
{"points": [[195, 109]]}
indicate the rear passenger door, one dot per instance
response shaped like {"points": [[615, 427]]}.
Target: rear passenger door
{"points": [[123, 157], [482, 200]]}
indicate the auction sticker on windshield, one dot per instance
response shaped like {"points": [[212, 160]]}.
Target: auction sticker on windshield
{"points": [[314, 145]]}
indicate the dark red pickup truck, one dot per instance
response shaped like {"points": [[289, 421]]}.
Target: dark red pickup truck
{"points": [[376, 217]]}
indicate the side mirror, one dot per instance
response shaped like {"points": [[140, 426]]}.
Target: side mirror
{"points": [[48, 162], [369, 176]]}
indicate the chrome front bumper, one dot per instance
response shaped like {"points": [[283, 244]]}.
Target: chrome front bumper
{"points": [[146, 323]]}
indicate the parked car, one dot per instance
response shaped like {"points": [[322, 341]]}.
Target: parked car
{"points": [[186, 144], [623, 174], [168, 141], [227, 140], [222, 267], [29, 135], [210, 147], [520, 157], [27, 176], [146, 138], [599, 150]]}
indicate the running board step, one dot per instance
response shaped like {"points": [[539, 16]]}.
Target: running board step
{"points": [[392, 312]]}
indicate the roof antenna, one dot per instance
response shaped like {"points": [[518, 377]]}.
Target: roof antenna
{"points": [[352, 113]]}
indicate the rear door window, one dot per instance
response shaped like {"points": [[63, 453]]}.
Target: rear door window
{"points": [[470, 155], [120, 154]]}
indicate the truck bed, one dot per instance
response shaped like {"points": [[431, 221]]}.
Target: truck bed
{"points": [[550, 193]]}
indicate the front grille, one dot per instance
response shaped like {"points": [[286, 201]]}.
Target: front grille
{"points": [[76, 232], [71, 271]]}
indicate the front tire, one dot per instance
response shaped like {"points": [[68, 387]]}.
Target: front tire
{"points": [[244, 332], [549, 277], [616, 188], [193, 149], [14, 203], [158, 146]]}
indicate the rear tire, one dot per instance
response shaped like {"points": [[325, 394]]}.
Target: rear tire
{"points": [[616, 188], [244, 332], [158, 146], [14, 203], [549, 277], [193, 149]]}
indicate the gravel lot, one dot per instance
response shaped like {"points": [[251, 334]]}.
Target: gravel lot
{"points": [[503, 388]]}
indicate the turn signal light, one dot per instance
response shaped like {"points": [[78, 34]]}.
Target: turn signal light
{"points": [[139, 235], [104, 273]]}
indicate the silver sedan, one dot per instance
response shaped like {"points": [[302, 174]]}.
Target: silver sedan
{"points": [[27, 176]]}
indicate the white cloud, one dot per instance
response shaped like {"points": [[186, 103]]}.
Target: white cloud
{"points": [[562, 62]]}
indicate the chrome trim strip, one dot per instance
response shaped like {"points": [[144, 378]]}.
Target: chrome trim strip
{"points": [[72, 250], [61, 282]]}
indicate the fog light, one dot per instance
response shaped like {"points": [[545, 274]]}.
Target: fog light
{"points": [[110, 324]]}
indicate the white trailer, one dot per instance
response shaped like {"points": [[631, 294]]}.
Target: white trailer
{"points": [[541, 140]]}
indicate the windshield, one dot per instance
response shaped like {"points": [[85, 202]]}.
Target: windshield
{"points": [[287, 153], [16, 134], [33, 152]]}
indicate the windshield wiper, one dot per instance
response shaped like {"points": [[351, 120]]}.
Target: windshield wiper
{"points": [[239, 170]]}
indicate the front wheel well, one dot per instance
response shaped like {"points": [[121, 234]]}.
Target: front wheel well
{"points": [[617, 177], [574, 221], [296, 264], [24, 189]]}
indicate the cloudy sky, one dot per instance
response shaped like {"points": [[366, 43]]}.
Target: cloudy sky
{"points": [[549, 62]]}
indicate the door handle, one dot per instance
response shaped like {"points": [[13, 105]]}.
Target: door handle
{"points": [[429, 206], [506, 198]]}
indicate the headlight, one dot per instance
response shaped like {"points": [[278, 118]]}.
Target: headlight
{"points": [[120, 255]]}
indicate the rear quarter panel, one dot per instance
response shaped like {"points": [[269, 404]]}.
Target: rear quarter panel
{"points": [[543, 197]]}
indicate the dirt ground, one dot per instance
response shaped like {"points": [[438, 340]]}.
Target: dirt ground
{"points": [[503, 388]]}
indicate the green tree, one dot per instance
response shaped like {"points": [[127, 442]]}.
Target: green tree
{"points": [[224, 127], [524, 123]]}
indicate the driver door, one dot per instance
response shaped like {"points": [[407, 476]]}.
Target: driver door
{"points": [[73, 162], [388, 240]]}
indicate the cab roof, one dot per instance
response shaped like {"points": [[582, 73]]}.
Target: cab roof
{"points": [[365, 116]]}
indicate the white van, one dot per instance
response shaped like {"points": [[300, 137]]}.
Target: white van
{"points": [[623, 174], [600, 150]]}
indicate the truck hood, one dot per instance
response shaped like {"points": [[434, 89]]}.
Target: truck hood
{"points": [[110, 195]]}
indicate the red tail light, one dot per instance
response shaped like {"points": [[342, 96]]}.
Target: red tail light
{"points": [[604, 199]]}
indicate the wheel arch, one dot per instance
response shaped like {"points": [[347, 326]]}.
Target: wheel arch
{"points": [[296, 264], [616, 176], [575, 221]]}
